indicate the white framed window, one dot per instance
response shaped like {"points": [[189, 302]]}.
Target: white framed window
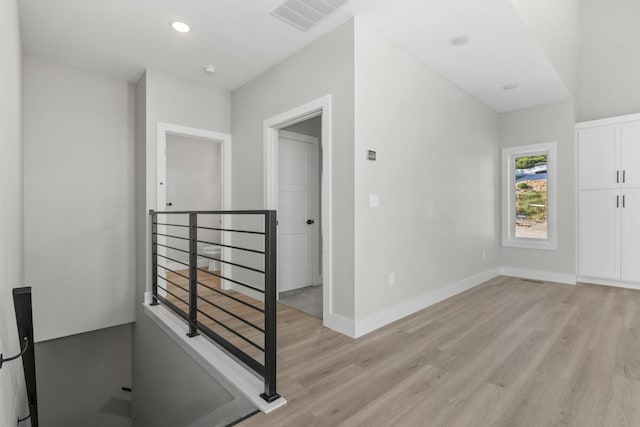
{"points": [[529, 196]]}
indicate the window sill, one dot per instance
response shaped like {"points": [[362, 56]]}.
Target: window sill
{"points": [[530, 244]]}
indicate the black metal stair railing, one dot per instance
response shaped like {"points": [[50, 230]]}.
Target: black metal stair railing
{"points": [[24, 323], [169, 226]]}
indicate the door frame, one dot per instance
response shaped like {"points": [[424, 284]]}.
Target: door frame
{"points": [[164, 129], [271, 128]]}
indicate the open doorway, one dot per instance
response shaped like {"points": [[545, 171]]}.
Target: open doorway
{"points": [[304, 267], [300, 220], [193, 174]]}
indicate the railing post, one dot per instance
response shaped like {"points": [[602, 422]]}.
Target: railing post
{"points": [[270, 307], [154, 258], [193, 274]]}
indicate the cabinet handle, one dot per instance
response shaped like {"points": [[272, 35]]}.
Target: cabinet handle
{"points": [[617, 201], [624, 176], [617, 177], [623, 201]]}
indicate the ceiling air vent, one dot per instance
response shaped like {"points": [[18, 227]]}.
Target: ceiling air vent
{"points": [[305, 14]]}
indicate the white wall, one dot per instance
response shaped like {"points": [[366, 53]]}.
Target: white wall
{"points": [[325, 67], [537, 125], [609, 60], [435, 175], [13, 396], [556, 27], [79, 199]]}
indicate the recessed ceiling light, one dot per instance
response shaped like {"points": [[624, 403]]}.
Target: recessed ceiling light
{"points": [[209, 69], [180, 27], [512, 86], [459, 40]]}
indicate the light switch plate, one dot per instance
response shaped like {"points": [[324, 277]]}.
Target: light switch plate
{"points": [[374, 201]]}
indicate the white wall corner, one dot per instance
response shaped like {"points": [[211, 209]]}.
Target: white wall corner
{"points": [[545, 276], [341, 324], [405, 308]]}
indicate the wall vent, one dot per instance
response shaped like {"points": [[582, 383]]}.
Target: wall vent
{"points": [[305, 14]]}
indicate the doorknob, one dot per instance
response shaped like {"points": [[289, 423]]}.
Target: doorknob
{"points": [[310, 221], [169, 204]]}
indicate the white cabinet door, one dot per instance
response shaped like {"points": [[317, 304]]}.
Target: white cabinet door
{"points": [[630, 235], [598, 158], [630, 155], [598, 234]]}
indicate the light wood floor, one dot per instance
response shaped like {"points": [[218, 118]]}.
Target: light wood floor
{"points": [[506, 353]]}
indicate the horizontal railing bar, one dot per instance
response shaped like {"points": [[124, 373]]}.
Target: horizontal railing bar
{"points": [[239, 335], [232, 247], [174, 272], [173, 307], [241, 355], [174, 260], [169, 292], [232, 297], [232, 263], [169, 235], [235, 351], [171, 225], [171, 247], [231, 314], [237, 212], [174, 284], [234, 281], [233, 230]]}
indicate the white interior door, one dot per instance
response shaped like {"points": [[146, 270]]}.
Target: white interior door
{"points": [[598, 234], [298, 210], [598, 157], [630, 235], [630, 153]]}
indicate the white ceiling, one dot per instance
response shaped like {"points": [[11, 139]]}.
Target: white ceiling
{"points": [[121, 38]]}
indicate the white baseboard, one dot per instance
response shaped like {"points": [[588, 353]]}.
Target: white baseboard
{"points": [[338, 323], [405, 308], [609, 282], [545, 276]]}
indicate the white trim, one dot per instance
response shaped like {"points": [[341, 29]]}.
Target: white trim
{"points": [[609, 282], [508, 199], [545, 276], [341, 324], [164, 129], [298, 137], [576, 228], [211, 358], [405, 308], [271, 126], [609, 121]]}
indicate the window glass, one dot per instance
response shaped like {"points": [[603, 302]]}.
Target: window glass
{"points": [[531, 197]]}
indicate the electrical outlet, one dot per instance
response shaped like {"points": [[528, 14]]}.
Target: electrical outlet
{"points": [[392, 279]]}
